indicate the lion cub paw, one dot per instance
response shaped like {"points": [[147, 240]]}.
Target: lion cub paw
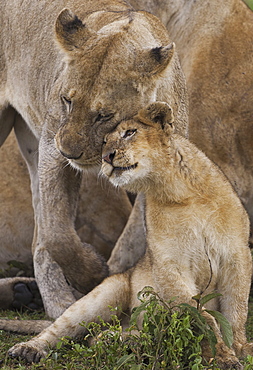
{"points": [[229, 364], [226, 359], [28, 351], [247, 349]]}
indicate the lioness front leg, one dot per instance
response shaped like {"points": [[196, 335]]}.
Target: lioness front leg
{"points": [[112, 292], [48, 273], [59, 187]]}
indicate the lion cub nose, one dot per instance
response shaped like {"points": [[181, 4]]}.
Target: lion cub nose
{"points": [[109, 157]]}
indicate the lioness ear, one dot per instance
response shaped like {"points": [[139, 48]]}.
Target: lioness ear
{"points": [[154, 60], [158, 113], [70, 31]]}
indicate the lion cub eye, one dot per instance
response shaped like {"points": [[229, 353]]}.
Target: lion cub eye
{"points": [[128, 133]]}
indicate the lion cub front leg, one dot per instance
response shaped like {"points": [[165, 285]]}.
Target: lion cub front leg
{"points": [[131, 245], [112, 292]]}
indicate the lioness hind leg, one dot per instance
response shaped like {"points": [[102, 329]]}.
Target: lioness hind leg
{"points": [[112, 292]]}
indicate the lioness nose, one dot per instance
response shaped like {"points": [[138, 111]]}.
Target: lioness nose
{"points": [[69, 156], [109, 157]]}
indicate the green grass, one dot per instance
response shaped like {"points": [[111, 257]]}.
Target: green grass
{"points": [[167, 340], [7, 340]]}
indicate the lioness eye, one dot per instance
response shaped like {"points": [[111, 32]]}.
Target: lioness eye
{"points": [[129, 133], [67, 102], [103, 117]]}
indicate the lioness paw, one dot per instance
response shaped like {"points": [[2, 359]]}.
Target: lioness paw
{"points": [[27, 295], [27, 351]]}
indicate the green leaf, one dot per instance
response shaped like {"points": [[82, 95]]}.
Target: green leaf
{"points": [[249, 3], [195, 367], [136, 367], [124, 359], [212, 340], [199, 319], [226, 329], [197, 297], [59, 344], [136, 312], [208, 297]]}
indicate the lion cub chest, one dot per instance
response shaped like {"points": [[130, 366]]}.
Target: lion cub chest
{"points": [[182, 239]]}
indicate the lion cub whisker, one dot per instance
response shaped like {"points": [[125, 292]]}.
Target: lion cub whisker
{"points": [[133, 166]]}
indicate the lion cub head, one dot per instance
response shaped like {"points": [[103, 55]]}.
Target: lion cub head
{"points": [[130, 151]]}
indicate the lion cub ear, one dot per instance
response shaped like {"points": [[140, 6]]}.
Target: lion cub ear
{"points": [[158, 113], [70, 32]]}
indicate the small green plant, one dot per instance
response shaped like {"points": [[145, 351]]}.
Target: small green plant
{"points": [[169, 337], [161, 335], [249, 363]]}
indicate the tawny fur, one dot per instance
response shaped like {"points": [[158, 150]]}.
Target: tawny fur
{"points": [[98, 223], [70, 70], [197, 234], [215, 44]]}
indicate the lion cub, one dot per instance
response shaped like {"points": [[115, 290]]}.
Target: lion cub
{"points": [[197, 234]]}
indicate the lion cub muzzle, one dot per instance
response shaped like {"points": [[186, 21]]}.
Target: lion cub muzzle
{"points": [[115, 168]]}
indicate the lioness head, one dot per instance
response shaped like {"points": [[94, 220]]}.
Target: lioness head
{"points": [[114, 65], [129, 152]]}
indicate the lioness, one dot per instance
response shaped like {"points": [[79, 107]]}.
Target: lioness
{"points": [[70, 71], [197, 234], [215, 44]]}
